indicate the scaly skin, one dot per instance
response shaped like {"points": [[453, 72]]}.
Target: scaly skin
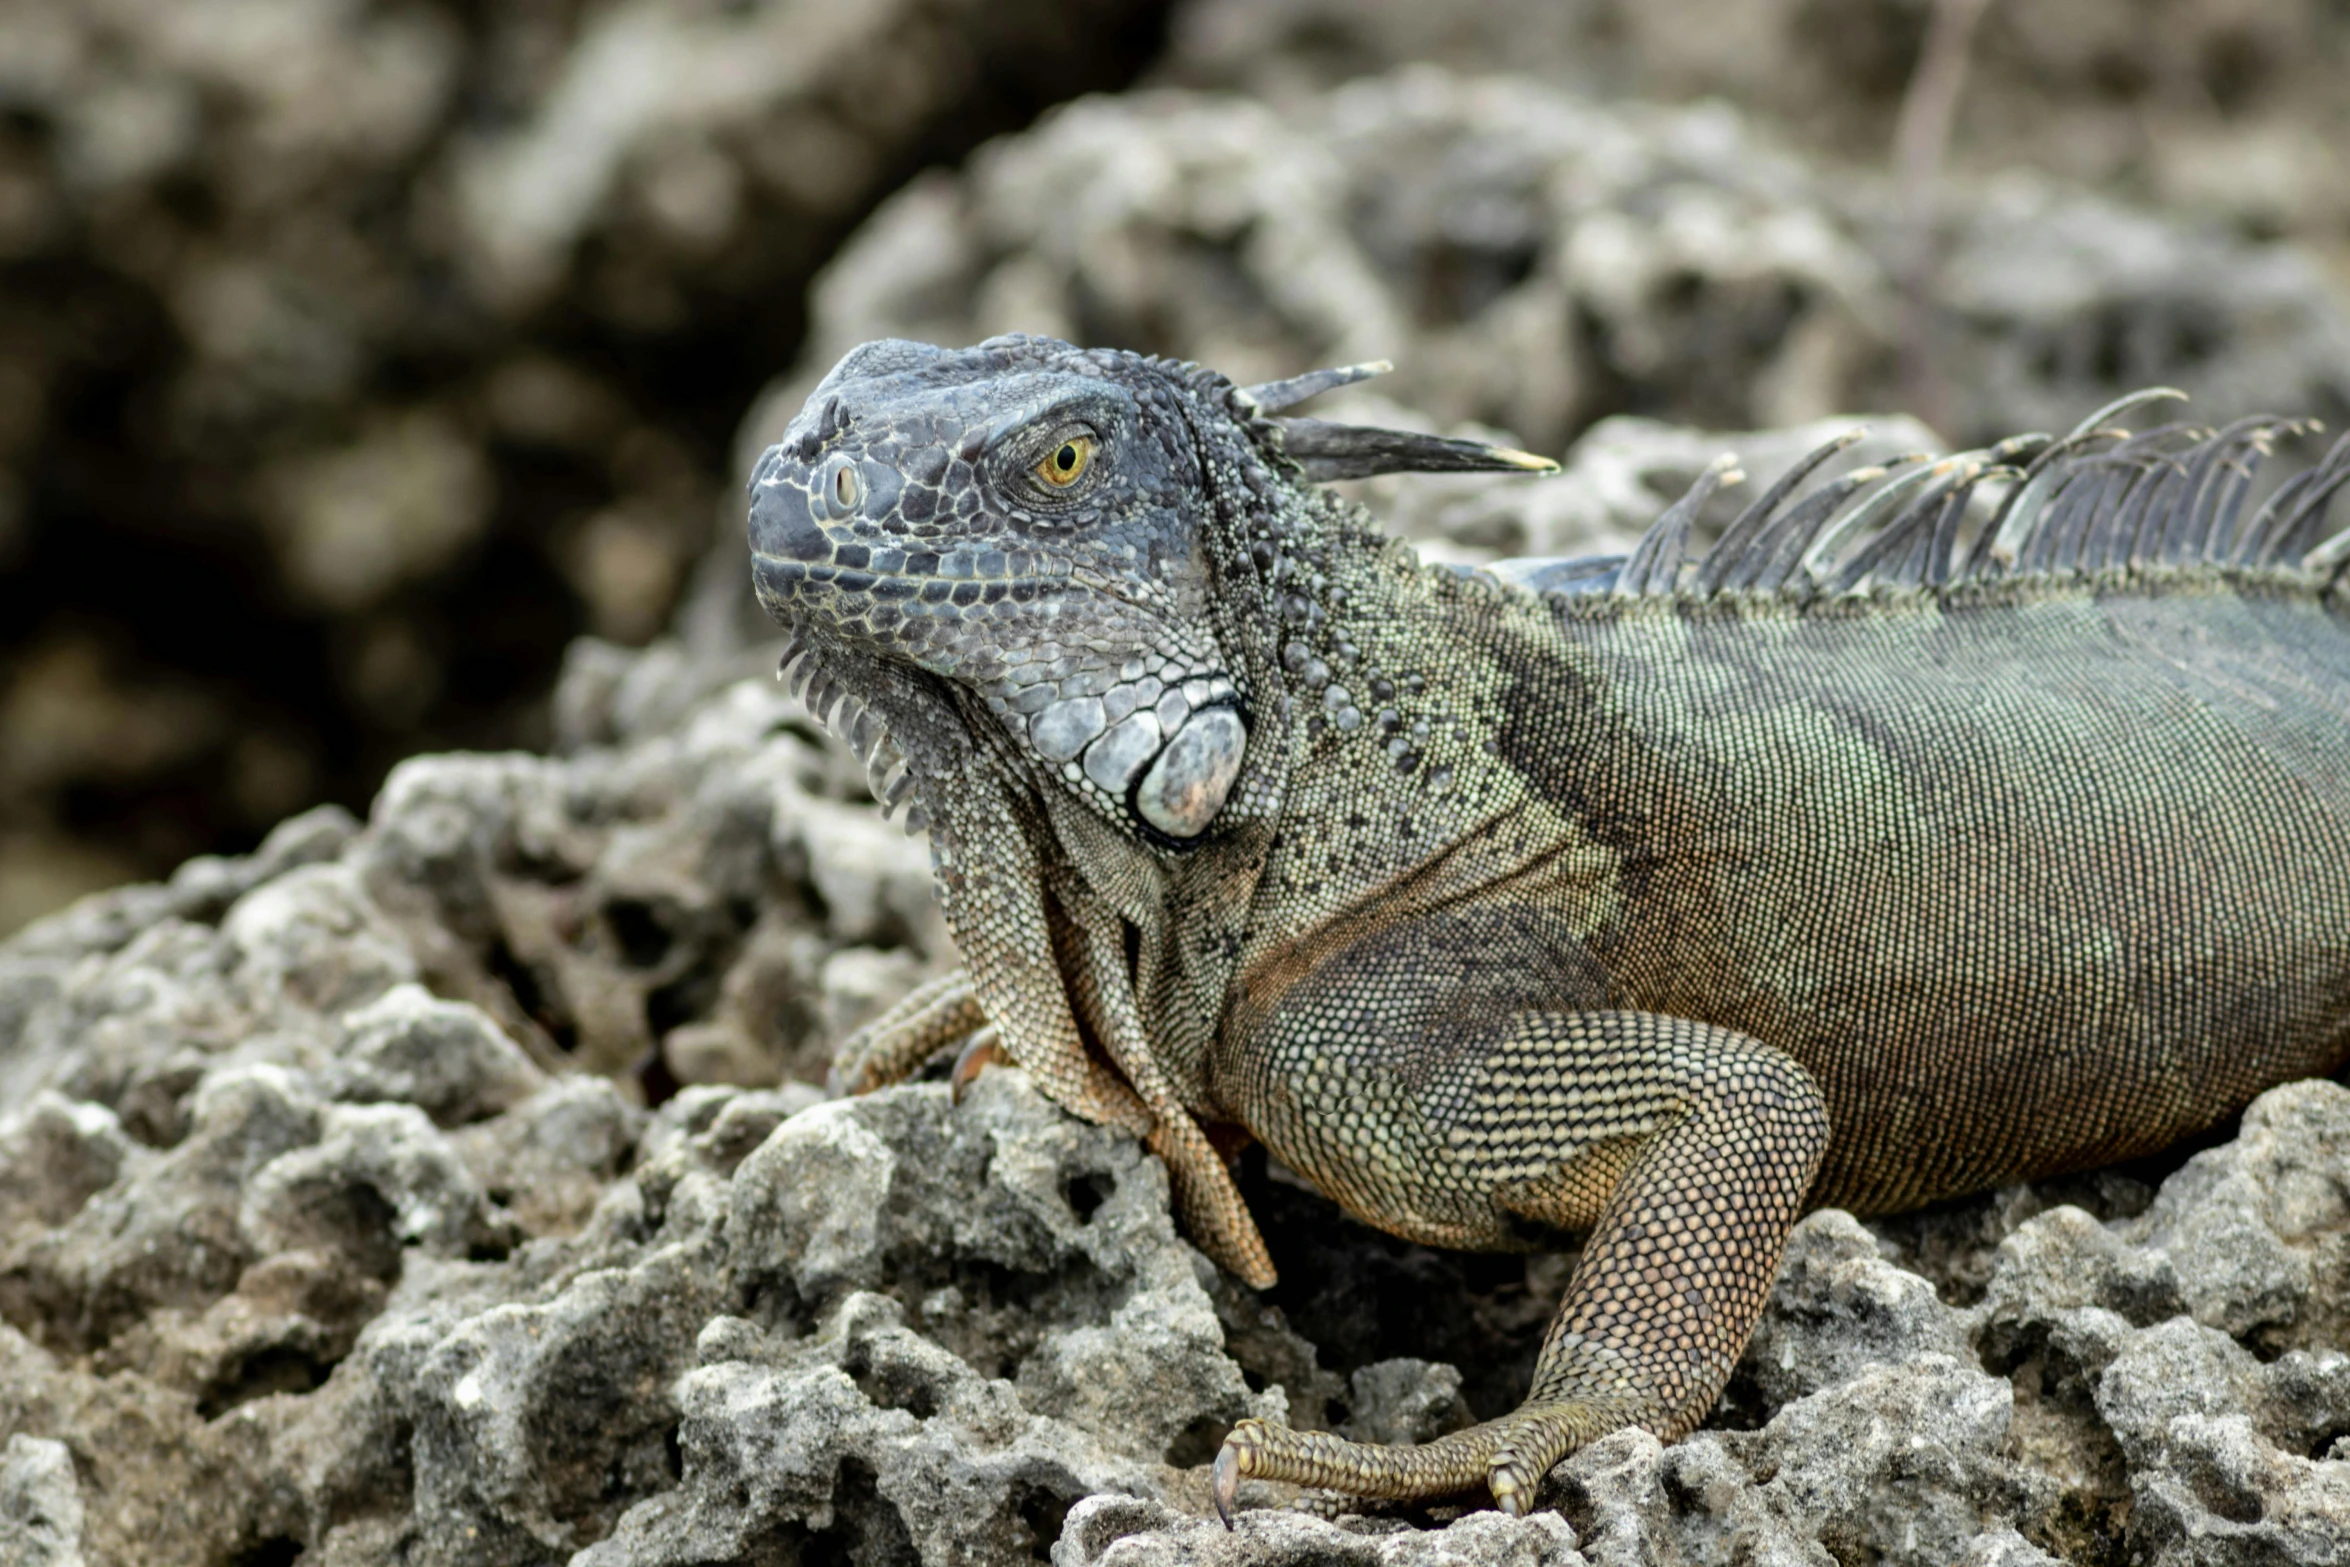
{"points": [[1863, 874]]}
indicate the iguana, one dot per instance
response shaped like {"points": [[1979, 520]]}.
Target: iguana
{"points": [[1883, 854]]}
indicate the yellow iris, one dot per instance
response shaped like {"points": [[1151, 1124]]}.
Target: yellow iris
{"points": [[1065, 464]]}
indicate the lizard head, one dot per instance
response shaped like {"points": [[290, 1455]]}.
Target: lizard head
{"points": [[1016, 528], [1087, 552]]}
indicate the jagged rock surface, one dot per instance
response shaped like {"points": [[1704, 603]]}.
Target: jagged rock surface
{"points": [[1536, 258], [332, 1219]]}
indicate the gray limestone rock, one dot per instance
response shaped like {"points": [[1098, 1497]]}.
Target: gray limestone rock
{"points": [[1535, 259], [40, 1504], [362, 1206], [448, 1059], [2256, 1228], [2097, 89], [1119, 1531], [1839, 1308]]}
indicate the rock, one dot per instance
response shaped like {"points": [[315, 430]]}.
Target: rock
{"points": [[1118, 1531], [2005, 1548], [1043, 1334], [2253, 1226], [2185, 1402], [1455, 226], [2094, 91], [1838, 1309], [447, 1059], [55, 1155], [1906, 1458], [874, 880], [40, 1504], [351, 1204], [1535, 259], [377, 1182], [1403, 1400]]}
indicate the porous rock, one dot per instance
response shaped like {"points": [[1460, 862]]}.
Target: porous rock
{"points": [[40, 1504], [1119, 1531], [448, 1059], [363, 1202], [2226, 111]]}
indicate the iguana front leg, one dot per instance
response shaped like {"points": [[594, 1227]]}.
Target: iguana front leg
{"points": [[900, 1042], [894, 1046], [1685, 1150]]}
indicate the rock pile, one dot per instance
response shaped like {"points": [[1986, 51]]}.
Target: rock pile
{"points": [[2204, 107], [334, 1223], [1537, 259]]}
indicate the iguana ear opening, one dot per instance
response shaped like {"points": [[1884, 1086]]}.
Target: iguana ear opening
{"points": [[1353, 451]]}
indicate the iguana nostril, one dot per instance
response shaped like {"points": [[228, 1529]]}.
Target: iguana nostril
{"points": [[781, 526]]}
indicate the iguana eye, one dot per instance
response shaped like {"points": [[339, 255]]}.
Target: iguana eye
{"points": [[1066, 463]]}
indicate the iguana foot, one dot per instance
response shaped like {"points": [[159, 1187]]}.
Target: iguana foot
{"points": [[1506, 1457], [896, 1044]]}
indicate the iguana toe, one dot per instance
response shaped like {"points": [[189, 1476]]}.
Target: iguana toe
{"points": [[1257, 1449], [1506, 1457], [894, 1045]]}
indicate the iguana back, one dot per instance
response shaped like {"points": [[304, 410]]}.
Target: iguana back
{"points": [[2014, 873]]}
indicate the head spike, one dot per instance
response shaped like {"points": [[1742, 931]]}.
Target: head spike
{"points": [[1892, 556], [2129, 402], [1350, 451], [1865, 516], [1755, 521], [1774, 557], [1270, 397]]}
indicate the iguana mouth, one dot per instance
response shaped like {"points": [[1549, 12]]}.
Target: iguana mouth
{"points": [[922, 588]]}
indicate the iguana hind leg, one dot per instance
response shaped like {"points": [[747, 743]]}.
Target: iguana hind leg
{"points": [[1685, 1150]]}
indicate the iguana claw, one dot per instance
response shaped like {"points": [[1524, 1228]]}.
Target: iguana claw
{"points": [[986, 1049], [1225, 1478]]}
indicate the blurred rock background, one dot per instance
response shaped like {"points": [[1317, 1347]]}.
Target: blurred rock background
{"points": [[356, 357], [357, 354]]}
